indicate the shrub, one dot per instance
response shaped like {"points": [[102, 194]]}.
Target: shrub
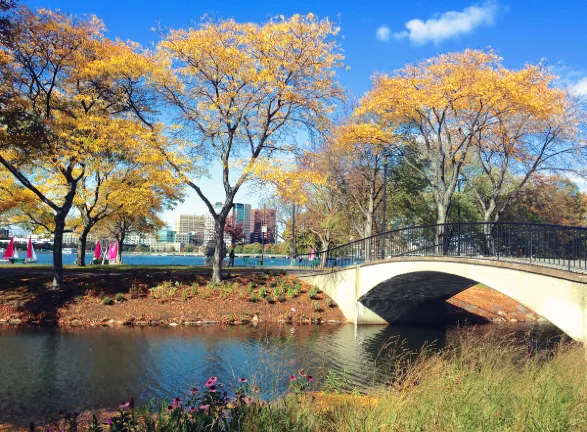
{"points": [[273, 284], [253, 298], [316, 306], [108, 301], [279, 291], [330, 302], [119, 297], [171, 292], [263, 292], [226, 290], [79, 298], [134, 291], [280, 298], [291, 292], [251, 287], [313, 292]]}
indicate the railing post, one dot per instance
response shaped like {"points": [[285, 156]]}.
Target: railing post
{"points": [[497, 246], [530, 243], [459, 240]]}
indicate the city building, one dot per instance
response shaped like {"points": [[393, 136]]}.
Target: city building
{"points": [[260, 218], [190, 223], [4, 233], [189, 238], [166, 247], [70, 238], [138, 238], [166, 235], [209, 227], [241, 215]]}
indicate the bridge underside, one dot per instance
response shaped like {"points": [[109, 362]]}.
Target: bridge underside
{"points": [[415, 298], [410, 290]]}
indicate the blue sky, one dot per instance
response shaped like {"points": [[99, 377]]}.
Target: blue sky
{"points": [[377, 36]]}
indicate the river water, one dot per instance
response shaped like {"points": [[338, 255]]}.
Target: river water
{"points": [[44, 370], [46, 258]]}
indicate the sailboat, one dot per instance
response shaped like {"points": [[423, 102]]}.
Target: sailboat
{"points": [[113, 253], [31, 256], [97, 253], [10, 254]]}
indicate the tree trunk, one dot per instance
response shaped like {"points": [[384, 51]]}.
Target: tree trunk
{"points": [[57, 250], [81, 247], [120, 240], [441, 231], [219, 247], [369, 229]]}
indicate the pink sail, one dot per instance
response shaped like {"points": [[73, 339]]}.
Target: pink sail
{"points": [[113, 252], [9, 252], [29, 249], [98, 251]]}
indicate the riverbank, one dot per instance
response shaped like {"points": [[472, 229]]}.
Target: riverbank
{"points": [[154, 296], [477, 382]]}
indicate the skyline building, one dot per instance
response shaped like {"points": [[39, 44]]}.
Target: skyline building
{"points": [[263, 217]]}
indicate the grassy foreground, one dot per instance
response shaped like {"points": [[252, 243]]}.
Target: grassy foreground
{"points": [[475, 384]]}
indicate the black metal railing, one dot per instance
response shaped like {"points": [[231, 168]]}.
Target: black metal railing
{"points": [[538, 244]]}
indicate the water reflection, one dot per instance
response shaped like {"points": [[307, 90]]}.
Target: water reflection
{"points": [[45, 370]]}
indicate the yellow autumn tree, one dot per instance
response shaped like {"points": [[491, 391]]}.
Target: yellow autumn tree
{"points": [[446, 107], [241, 92], [114, 185], [67, 91]]}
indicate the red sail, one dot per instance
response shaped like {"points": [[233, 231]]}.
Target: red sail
{"points": [[9, 252], [29, 250]]}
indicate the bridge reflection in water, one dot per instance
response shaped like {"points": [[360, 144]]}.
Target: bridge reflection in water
{"points": [[405, 275]]}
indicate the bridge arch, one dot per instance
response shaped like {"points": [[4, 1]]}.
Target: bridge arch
{"points": [[413, 289]]}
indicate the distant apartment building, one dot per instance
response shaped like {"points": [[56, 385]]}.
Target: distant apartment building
{"points": [[189, 238], [70, 238], [138, 238], [4, 233], [166, 235], [241, 215], [187, 223], [166, 247], [260, 218]]}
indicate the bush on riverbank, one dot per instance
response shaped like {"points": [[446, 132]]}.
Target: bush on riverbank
{"points": [[479, 384]]}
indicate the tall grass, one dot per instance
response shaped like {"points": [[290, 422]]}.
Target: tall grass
{"points": [[476, 383]]}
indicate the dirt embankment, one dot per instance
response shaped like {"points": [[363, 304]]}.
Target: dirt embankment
{"points": [[163, 298], [483, 304]]}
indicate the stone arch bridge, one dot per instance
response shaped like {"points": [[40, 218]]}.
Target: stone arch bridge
{"points": [[404, 276]]}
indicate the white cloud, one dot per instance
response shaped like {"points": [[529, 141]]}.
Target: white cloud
{"points": [[447, 25], [383, 33], [580, 87]]}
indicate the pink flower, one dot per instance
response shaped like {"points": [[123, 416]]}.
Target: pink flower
{"points": [[204, 407], [109, 421], [248, 400], [124, 405], [310, 378], [211, 381], [302, 373], [169, 408], [212, 389], [292, 378], [176, 402], [192, 409], [195, 390], [242, 380]]}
